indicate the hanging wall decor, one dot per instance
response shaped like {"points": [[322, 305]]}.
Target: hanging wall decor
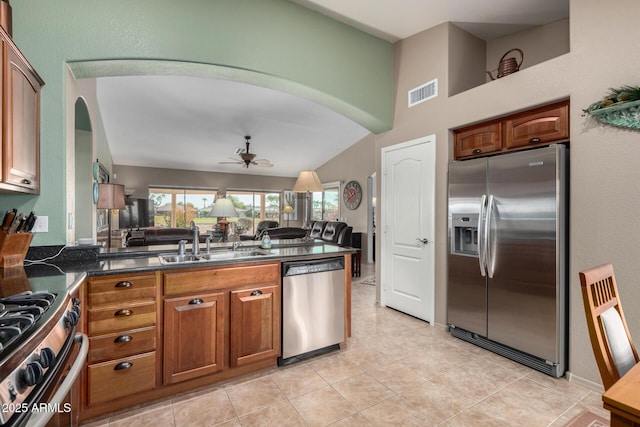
{"points": [[620, 107]]}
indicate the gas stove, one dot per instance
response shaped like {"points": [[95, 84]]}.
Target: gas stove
{"points": [[36, 334]]}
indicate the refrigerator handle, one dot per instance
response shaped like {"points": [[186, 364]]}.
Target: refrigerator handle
{"points": [[487, 238], [482, 253]]}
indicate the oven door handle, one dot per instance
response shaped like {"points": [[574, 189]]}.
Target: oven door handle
{"points": [[40, 419]]}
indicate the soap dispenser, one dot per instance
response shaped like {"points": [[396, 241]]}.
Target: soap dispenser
{"points": [[266, 241]]}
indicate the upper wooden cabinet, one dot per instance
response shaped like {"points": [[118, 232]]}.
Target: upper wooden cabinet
{"points": [[479, 140], [20, 96], [539, 126]]}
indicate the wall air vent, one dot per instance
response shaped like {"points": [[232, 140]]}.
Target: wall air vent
{"points": [[423, 93]]}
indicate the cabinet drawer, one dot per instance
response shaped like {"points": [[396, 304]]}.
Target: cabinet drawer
{"points": [[183, 282], [120, 378], [115, 289], [113, 346], [121, 318]]}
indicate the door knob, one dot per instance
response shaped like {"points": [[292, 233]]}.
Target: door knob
{"points": [[423, 241]]}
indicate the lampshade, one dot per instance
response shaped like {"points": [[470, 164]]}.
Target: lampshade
{"points": [[223, 207], [288, 209], [110, 196], [307, 181]]}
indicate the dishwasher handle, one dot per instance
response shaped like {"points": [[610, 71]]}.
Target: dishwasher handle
{"points": [[296, 268]]}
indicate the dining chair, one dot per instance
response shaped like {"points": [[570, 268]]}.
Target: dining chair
{"points": [[612, 344]]}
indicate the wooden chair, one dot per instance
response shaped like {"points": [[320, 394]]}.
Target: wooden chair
{"points": [[612, 345]]}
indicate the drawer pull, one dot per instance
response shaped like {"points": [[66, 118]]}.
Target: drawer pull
{"points": [[123, 338], [256, 293], [26, 182], [196, 301], [123, 312], [124, 284], [477, 151], [534, 140], [122, 365]]}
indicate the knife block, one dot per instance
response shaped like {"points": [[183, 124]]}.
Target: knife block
{"points": [[13, 248]]}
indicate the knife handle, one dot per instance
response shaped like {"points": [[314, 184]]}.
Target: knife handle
{"points": [[9, 220]]}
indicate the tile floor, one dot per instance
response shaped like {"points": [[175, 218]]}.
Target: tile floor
{"points": [[395, 371]]}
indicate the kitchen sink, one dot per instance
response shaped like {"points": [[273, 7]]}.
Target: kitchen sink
{"points": [[211, 256], [232, 254], [177, 259]]}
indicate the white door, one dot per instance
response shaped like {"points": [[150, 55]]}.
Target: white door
{"points": [[408, 199]]}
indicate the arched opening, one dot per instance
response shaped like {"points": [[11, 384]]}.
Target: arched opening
{"points": [[83, 221]]}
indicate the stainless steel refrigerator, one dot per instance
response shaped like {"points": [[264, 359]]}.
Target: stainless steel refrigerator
{"points": [[507, 262]]}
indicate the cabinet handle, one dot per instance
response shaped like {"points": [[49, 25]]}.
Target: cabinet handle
{"points": [[122, 365], [256, 293], [124, 284], [123, 312], [196, 301], [123, 338], [26, 181], [534, 140], [477, 151]]}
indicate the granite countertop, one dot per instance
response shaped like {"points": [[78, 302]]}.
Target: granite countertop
{"points": [[67, 275]]}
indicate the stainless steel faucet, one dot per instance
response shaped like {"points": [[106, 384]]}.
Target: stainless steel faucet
{"points": [[196, 238], [207, 240], [237, 244]]}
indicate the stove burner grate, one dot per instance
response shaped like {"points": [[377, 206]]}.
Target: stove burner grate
{"points": [[20, 312]]}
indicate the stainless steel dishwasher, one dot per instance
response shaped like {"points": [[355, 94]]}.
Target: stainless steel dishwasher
{"points": [[312, 305]]}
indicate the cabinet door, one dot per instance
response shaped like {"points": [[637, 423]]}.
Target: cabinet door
{"points": [[540, 126], [255, 325], [21, 145], [193, 336], [478, 140]]}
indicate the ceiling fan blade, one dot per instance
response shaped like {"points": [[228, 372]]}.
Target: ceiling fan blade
{"points": [[264, 165], [230, 163]]}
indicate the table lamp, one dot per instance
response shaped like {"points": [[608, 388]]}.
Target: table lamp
{"points": [[223, 208], [307, 182], [110, 196], [288, 210]]}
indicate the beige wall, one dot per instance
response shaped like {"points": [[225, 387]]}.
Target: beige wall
{"points": [[355, 163], [604, 171]]}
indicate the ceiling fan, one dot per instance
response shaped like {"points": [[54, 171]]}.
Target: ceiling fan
{"points": [[247, 158]]}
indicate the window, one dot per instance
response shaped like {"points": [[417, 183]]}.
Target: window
{"points": [[253, 207], [177, 207], [326, 204]]}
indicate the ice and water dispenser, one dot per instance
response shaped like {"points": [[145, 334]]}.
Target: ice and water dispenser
{"points": [[464, 238]]}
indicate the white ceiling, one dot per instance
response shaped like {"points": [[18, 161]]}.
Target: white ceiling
{"points": [[194, 123]]}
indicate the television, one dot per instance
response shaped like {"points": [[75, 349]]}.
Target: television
{"points": [[136, 214]]}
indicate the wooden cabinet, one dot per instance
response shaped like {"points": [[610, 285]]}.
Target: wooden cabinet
{"points": [[193, 336], [255, 324], [536, 127], [219, 318], [540, 126], [20, 121], [478, 140], [121, 318]]}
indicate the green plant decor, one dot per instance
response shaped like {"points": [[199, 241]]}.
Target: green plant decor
{"points": [[620, 107]]}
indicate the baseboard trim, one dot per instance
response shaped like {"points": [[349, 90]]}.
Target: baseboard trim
{"points": [[597, 387]]}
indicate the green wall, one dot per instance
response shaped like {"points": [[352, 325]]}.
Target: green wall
{"points": [[273, 43]]}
